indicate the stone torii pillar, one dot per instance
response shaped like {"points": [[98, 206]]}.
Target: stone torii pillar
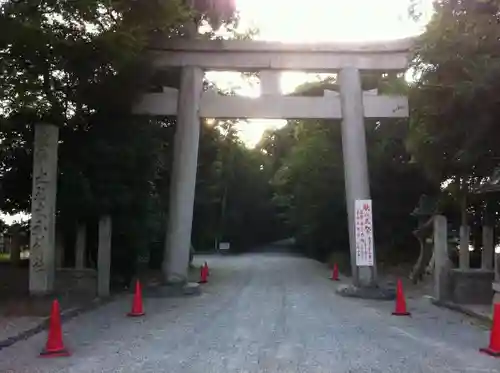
{"points": [[183, 182], [355, 162]]}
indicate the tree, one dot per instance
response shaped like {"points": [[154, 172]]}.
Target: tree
{"points": [[233, 195], [454, 99], [310, 190], [79, 65], [309, 179]]}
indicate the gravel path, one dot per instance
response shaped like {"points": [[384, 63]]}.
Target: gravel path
{"points": [[262, 313]]}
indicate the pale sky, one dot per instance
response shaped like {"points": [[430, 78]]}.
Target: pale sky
{"points": [[316, 21]]}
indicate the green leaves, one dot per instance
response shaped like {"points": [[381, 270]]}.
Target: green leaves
{"points": [[306, 157], [455, 98], [309, 187], [79, 64]]}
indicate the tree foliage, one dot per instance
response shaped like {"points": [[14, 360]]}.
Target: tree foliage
{"points": [[454, 102], [306, 156], [79, 65], [455, 97]]}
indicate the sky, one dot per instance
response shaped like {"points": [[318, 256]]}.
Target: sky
{"points": [[318, 21]]}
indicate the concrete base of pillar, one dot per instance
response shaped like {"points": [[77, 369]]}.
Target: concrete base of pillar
{"points": [[472, 286], [373, 292], [174, 290]]}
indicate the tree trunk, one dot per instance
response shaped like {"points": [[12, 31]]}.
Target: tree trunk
{"points": [[426, 251], [464, 254], [430, 267], [463, 202]]}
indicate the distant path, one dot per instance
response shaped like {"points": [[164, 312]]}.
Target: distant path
{"points": [[262, 313]]}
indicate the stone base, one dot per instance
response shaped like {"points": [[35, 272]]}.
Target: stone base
{"points": [[173, 290], [468, 310], [471, 286], [374, 292]]}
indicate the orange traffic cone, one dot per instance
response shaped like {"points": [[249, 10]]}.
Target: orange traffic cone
{"points": [[203, 275], [494, 348], [137, 309], [335, 273], [400, 309], [55, 346], [206, 269]]}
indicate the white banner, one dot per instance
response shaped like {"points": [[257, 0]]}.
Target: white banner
{"points": [[363, 232]]}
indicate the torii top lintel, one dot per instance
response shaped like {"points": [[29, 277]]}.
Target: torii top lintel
{"points": [[251, 55]]}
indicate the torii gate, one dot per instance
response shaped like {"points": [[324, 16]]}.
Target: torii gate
{"points": [[269, 59], [195, 56]]}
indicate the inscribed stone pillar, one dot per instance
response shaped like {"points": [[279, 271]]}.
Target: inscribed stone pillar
{"points": [[464, 254], [488, 248], [183, 180], [355, 162], [81, 235], [43, 210], [104, 256], [441, 259]]}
